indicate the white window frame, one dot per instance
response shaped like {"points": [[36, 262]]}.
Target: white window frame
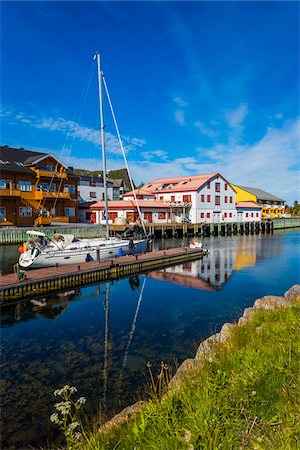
{"points": [[26, 184], [25, 211]]}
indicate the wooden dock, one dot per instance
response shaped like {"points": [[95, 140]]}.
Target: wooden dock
{"points": [[44, 281]]}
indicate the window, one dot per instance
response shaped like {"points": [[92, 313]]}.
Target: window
{"points": [[225, 198], [252, 214], [2, 213], [161, 215], [70, 188], [208, 198], [25, 185], [112, 215], [202, 198], [131, 217], [225, 215], [202, 215], [93, 194], [257, 215], [172, 198], [42, 187], [2, 183], [247, 214], [230, 214], [217, 200], [208, 185], [217, 186], [187, 198], [208, 215], [148, 216], [230, 199], [70, 212], [226, 186], [25, 211], [161, 199], [52, 187]]}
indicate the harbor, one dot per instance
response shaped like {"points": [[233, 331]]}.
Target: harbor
{"points": [[61, 335], [51, 279], [17, 235]]}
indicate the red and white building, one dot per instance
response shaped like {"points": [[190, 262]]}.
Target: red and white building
{"points": [[152, 211], [194, 199], [248, 211], [205, 198]]}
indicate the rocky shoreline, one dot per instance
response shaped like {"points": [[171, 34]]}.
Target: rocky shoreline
{"points": [[206, 349]]}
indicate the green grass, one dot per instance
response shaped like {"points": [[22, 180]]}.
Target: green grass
{"points": [[246, 397]]}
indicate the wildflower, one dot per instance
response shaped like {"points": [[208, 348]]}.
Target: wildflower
{"points": [[210, 360], [54, 418], [81, 401], [77, 436], [73, 425], [187, 435], [254, 393]]}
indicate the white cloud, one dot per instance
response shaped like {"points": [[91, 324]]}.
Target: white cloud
{"points": [[205, 130], [155, 153], [179, 101], [236, 117], [179, 117], [74, 130]]}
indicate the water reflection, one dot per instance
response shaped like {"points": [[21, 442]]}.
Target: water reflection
{"points": [[100, 338], [215, 269]]}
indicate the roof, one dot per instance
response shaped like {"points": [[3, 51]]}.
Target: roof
{"points": [[248, 204], [260, 194], [129, 204], [84, 205], [117, 183], [140, 191], [179, 184], [20, 155]]}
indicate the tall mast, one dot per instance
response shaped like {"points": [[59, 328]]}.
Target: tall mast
{"points": [[102, 126]]}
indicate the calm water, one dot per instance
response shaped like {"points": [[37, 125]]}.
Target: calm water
{"points": [[101, 337]]}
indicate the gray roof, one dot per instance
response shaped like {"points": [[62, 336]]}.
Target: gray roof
{"points": [[260, 194], [15, 155]]}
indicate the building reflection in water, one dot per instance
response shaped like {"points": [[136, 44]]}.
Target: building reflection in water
{"points": [[211, 272]]}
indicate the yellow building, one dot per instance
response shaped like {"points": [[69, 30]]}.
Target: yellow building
{"points": [[272, 206]]}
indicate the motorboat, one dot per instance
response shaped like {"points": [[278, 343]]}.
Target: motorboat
{"points": [[62, 249]]}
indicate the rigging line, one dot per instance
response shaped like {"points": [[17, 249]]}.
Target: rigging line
{"points": [[83, 94], [133, 323], [82, 101], [124, 155], [84, 91]]}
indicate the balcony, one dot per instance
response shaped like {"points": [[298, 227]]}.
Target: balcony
{"points": [[39, 221], [48, 173], [58, 195], [32, 195], [10, 193]]}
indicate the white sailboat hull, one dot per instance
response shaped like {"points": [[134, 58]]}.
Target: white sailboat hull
{"points": [[86, 251]]}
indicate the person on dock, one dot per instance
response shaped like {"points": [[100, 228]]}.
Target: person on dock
{"points": [[131, 247]]}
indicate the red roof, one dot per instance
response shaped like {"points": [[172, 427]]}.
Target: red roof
{"points": [[140, 191], [248, 204], [129, 204], [179, 184]]}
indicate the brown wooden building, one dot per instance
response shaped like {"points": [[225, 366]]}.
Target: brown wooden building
{"points": [[36, 188]]}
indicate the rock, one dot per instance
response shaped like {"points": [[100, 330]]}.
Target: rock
{"points": [[187, 366], [123, 416], [293, 292], [270, 302]]}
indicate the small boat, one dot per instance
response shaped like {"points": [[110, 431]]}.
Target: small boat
{"points": [[63, 249]]}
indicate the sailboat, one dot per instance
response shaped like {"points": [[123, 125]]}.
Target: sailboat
{"points": [[63, 249]]}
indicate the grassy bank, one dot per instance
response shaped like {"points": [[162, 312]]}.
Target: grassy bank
{"points": [[246, 395]]}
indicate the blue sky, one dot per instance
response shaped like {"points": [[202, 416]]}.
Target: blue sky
{"points": [[197, 87]]}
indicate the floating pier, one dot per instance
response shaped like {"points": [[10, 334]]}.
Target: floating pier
{"points": [[44, 281]]}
